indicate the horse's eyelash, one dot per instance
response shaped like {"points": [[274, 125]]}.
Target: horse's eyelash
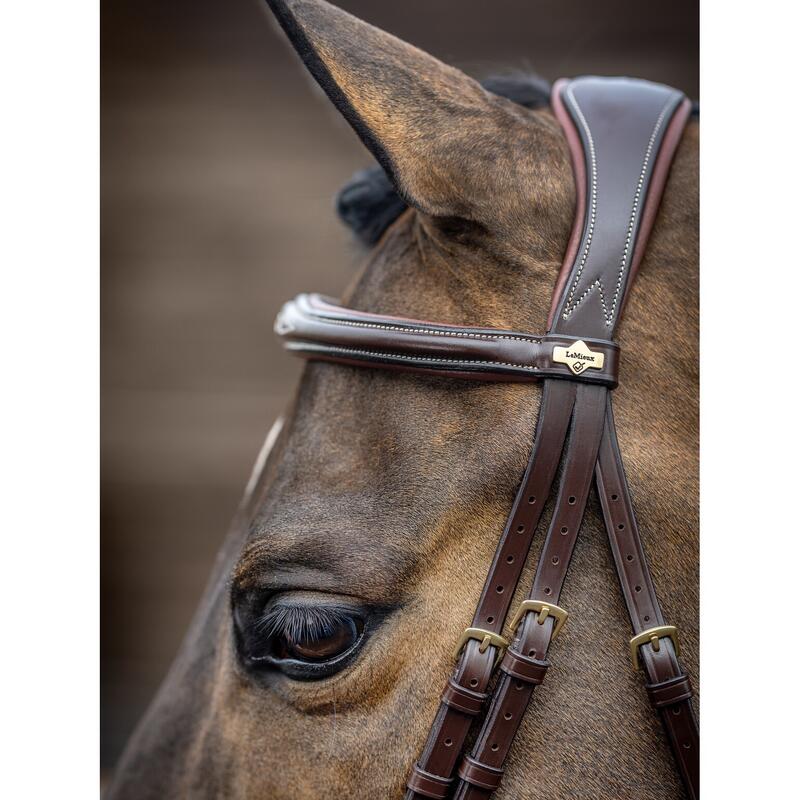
{"points": [[301, 622]]}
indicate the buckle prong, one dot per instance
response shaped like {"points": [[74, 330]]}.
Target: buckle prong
{"points": [[545, 610], [653, 636], [486, 638]]}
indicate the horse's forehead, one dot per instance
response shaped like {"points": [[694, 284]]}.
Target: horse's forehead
{"points": [[373, 480]]}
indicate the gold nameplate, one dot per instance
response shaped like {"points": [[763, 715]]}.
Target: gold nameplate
{"points": [[578, 357]]}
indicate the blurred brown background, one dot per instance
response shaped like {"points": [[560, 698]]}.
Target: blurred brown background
{"points": [[219, 165]]}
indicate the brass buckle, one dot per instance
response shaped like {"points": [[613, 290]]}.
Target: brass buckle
{"points": [[485, 638], [545, 610], [653, 636]]}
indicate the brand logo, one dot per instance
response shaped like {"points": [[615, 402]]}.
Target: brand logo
{"points": [[578, 357]]}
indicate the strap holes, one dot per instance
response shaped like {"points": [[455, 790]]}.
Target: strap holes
{"points": [[571, 499], [495, 747], [448, 742], [621, 526], [520, 529], [564, 530], [531, 499], [676, 710], [555, 559], [532, 653], [510, 559], [615, 497], [473, 682], [629, 557], [490, 620], [548, 590], [687, 746], [507, 715], [519, 685], [638, 588], [647, 618], [499, 589]]}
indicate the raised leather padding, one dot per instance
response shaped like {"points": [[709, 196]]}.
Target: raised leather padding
{"points": [[585, 302], [622, 136], [315, 327]]}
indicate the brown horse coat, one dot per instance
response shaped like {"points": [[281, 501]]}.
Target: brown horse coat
{"points": [[390, 491]]}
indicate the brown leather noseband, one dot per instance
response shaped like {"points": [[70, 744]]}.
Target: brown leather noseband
{"points": [[622, 134]]}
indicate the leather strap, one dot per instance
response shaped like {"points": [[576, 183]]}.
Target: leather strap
{"points": [[479, 775], [464, 700], [513, 693], [670, 692], [622, 136], [473, 669], [524, 668], [428, 784], [615, 128], [667, 685], [316, 327], [591, 292]]}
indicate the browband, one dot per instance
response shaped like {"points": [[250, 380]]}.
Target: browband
{"points": [[315, 327], [622, 135]]}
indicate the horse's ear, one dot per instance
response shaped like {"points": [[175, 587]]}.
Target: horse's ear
{"points": [[427, 124]]}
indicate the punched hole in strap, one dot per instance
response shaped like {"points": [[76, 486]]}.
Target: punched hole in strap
{"points": [[429, 785]]}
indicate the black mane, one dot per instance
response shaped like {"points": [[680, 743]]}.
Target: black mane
{"points": [[368, 202]]}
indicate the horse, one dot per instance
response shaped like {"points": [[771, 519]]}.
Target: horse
{"points": [[315, 661]]}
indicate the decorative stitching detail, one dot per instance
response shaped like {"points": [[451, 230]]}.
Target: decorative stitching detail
{"points": [[593, 212], [430, 331], [569, 305], [588, 291], [623, 261], [408, 358]]}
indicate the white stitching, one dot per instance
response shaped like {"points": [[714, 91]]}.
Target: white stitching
{"points": [[589, 288], [379, 354], [593, 209], [569, 306], [636, 198], [431, 331]]}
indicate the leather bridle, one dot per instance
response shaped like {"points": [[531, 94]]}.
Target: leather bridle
{"points": [[622, 134]]}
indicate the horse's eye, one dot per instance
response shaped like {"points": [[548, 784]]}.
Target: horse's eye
{"points": [[330, 641], [303, 641]]}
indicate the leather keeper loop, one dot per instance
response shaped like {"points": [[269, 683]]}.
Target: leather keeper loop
{"points": [[480, 775], [429, 785], [667, 693], [527, 669], [464, 700]]}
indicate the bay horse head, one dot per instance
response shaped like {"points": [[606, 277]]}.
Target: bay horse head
{"points": [[316, 659]]}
